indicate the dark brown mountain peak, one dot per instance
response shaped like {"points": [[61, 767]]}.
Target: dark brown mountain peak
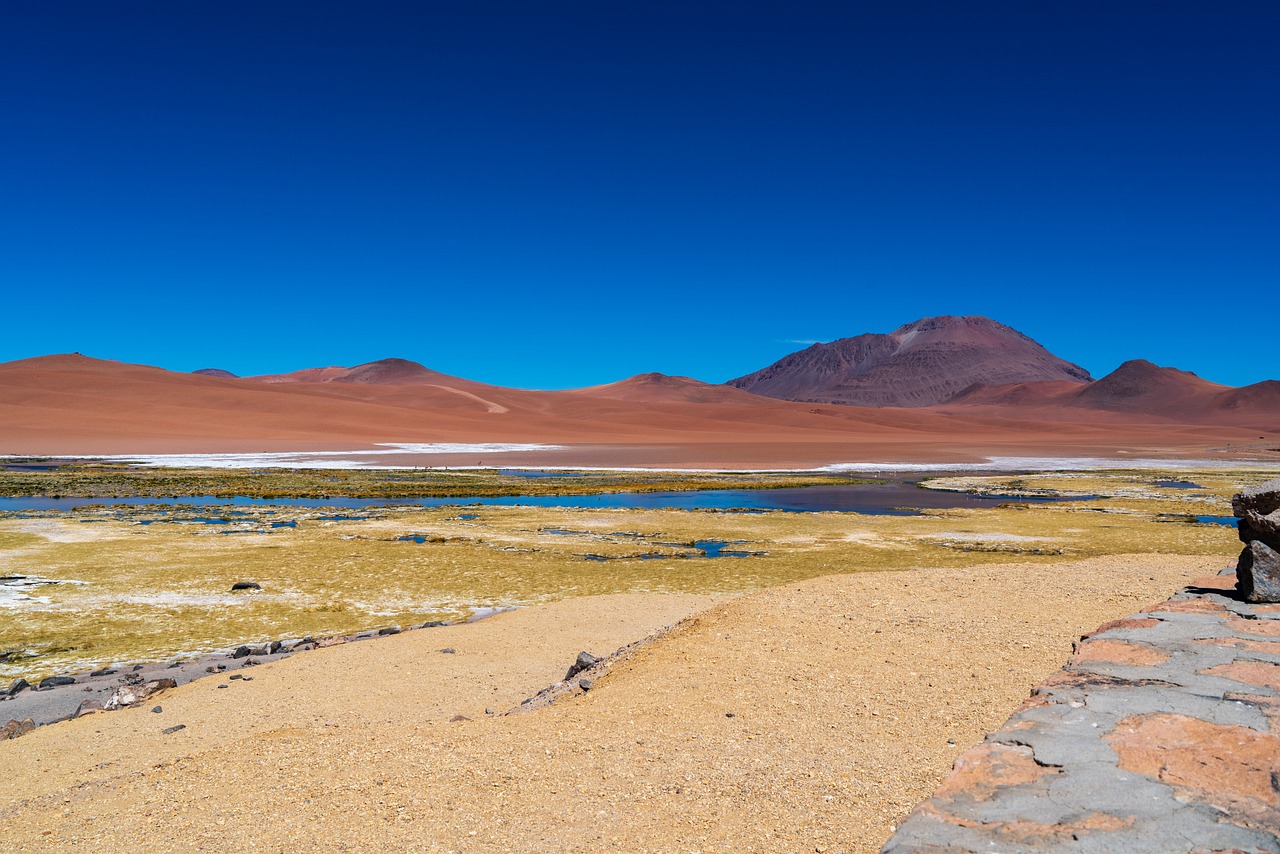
{"points": [[388, 371], [922, 363]]}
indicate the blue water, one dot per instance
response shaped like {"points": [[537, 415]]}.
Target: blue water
{"points": [[894, 499], [1217, 520]]}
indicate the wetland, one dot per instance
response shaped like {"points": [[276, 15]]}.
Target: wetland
{"points": [[99, 585]]}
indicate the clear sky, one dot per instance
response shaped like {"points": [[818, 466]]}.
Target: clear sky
{"points": [[554, 194]]}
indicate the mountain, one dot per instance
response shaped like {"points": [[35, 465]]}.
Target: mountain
{"points": [[78, 405], [215, 372], [383, 371], [921, 364], [1140, 386], [1138, 389], [661, 388]]}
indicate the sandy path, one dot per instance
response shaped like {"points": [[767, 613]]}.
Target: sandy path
{"points": [[809, 717]]}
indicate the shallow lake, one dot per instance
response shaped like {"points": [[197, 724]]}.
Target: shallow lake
{"points": [[894, 498]]}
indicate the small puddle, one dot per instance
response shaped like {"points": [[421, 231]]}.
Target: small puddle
{"points": [[1178, 484]]}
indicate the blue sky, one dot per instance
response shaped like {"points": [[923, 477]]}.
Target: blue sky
{"points": [[567, 193]]}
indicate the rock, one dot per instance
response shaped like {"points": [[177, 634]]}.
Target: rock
{"points": [[1258, 573], [88, 707], [106, 671], [434, 624], [307, 642], [260, 650], [13, 729], [235, 676], [456, 718], [241, 652], [1263, 499], [1255, 526], [448, 650], [155, 710], [245, 585], [389, 630], [16, 687], [586, 684], [333, 641], [274, 647], [172, 729], [584, 661], [55, 681], [127, 695]]}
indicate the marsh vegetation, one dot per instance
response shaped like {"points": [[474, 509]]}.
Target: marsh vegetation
{"points": [[135, 583]]}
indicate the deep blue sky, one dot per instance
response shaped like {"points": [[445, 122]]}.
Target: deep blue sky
{"points": [[558, 193]]}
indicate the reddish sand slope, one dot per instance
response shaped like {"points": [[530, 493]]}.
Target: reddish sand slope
{"points": [[73, 404]]}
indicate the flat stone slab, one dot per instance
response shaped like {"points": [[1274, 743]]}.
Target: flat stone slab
{"points": [[1158, 736]]}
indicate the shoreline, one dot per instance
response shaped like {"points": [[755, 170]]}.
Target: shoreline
{"points": [[66, 700]]}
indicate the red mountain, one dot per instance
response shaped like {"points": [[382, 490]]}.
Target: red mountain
{"points": [[921, 364]]}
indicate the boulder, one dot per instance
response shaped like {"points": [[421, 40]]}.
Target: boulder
{"points": [[1258, 569], [127, 695], [16, 687], [88, 707], [55, 681], [585, 661], [245, 585], [241, 652], [1263, 499], [13, 729]]}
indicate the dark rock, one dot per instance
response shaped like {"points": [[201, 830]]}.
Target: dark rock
{"points": [[245, 585], [308, 642], [389, 630], [249, 662], [88, 707], [584, 661], [172, 729], [241, 652], [1258, 573], [16, 687], [106, 671], [13, 729], [235, 676], [730, 715], [434, 624], [260, 650], [55, 681], [222, 686], [1263, 499], [175, 665], [1256, 526], [586, 684], [157, 710], [137, 667], [448, 650], [274, 647]]}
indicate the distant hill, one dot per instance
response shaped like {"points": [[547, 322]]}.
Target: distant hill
{"points": [[215, 372], [660, 388], [1136, 388], [923, 363], [383, 371]]}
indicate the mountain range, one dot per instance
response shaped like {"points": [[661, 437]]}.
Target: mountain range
{"points": [[949, 388]]}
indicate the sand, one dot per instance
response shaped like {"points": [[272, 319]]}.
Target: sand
{"points": [[807, 717]]}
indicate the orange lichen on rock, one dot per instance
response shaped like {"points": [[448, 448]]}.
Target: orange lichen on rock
{"points": [[1258, 673], [980, 771], [1118, 652], [1220, 763]]}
